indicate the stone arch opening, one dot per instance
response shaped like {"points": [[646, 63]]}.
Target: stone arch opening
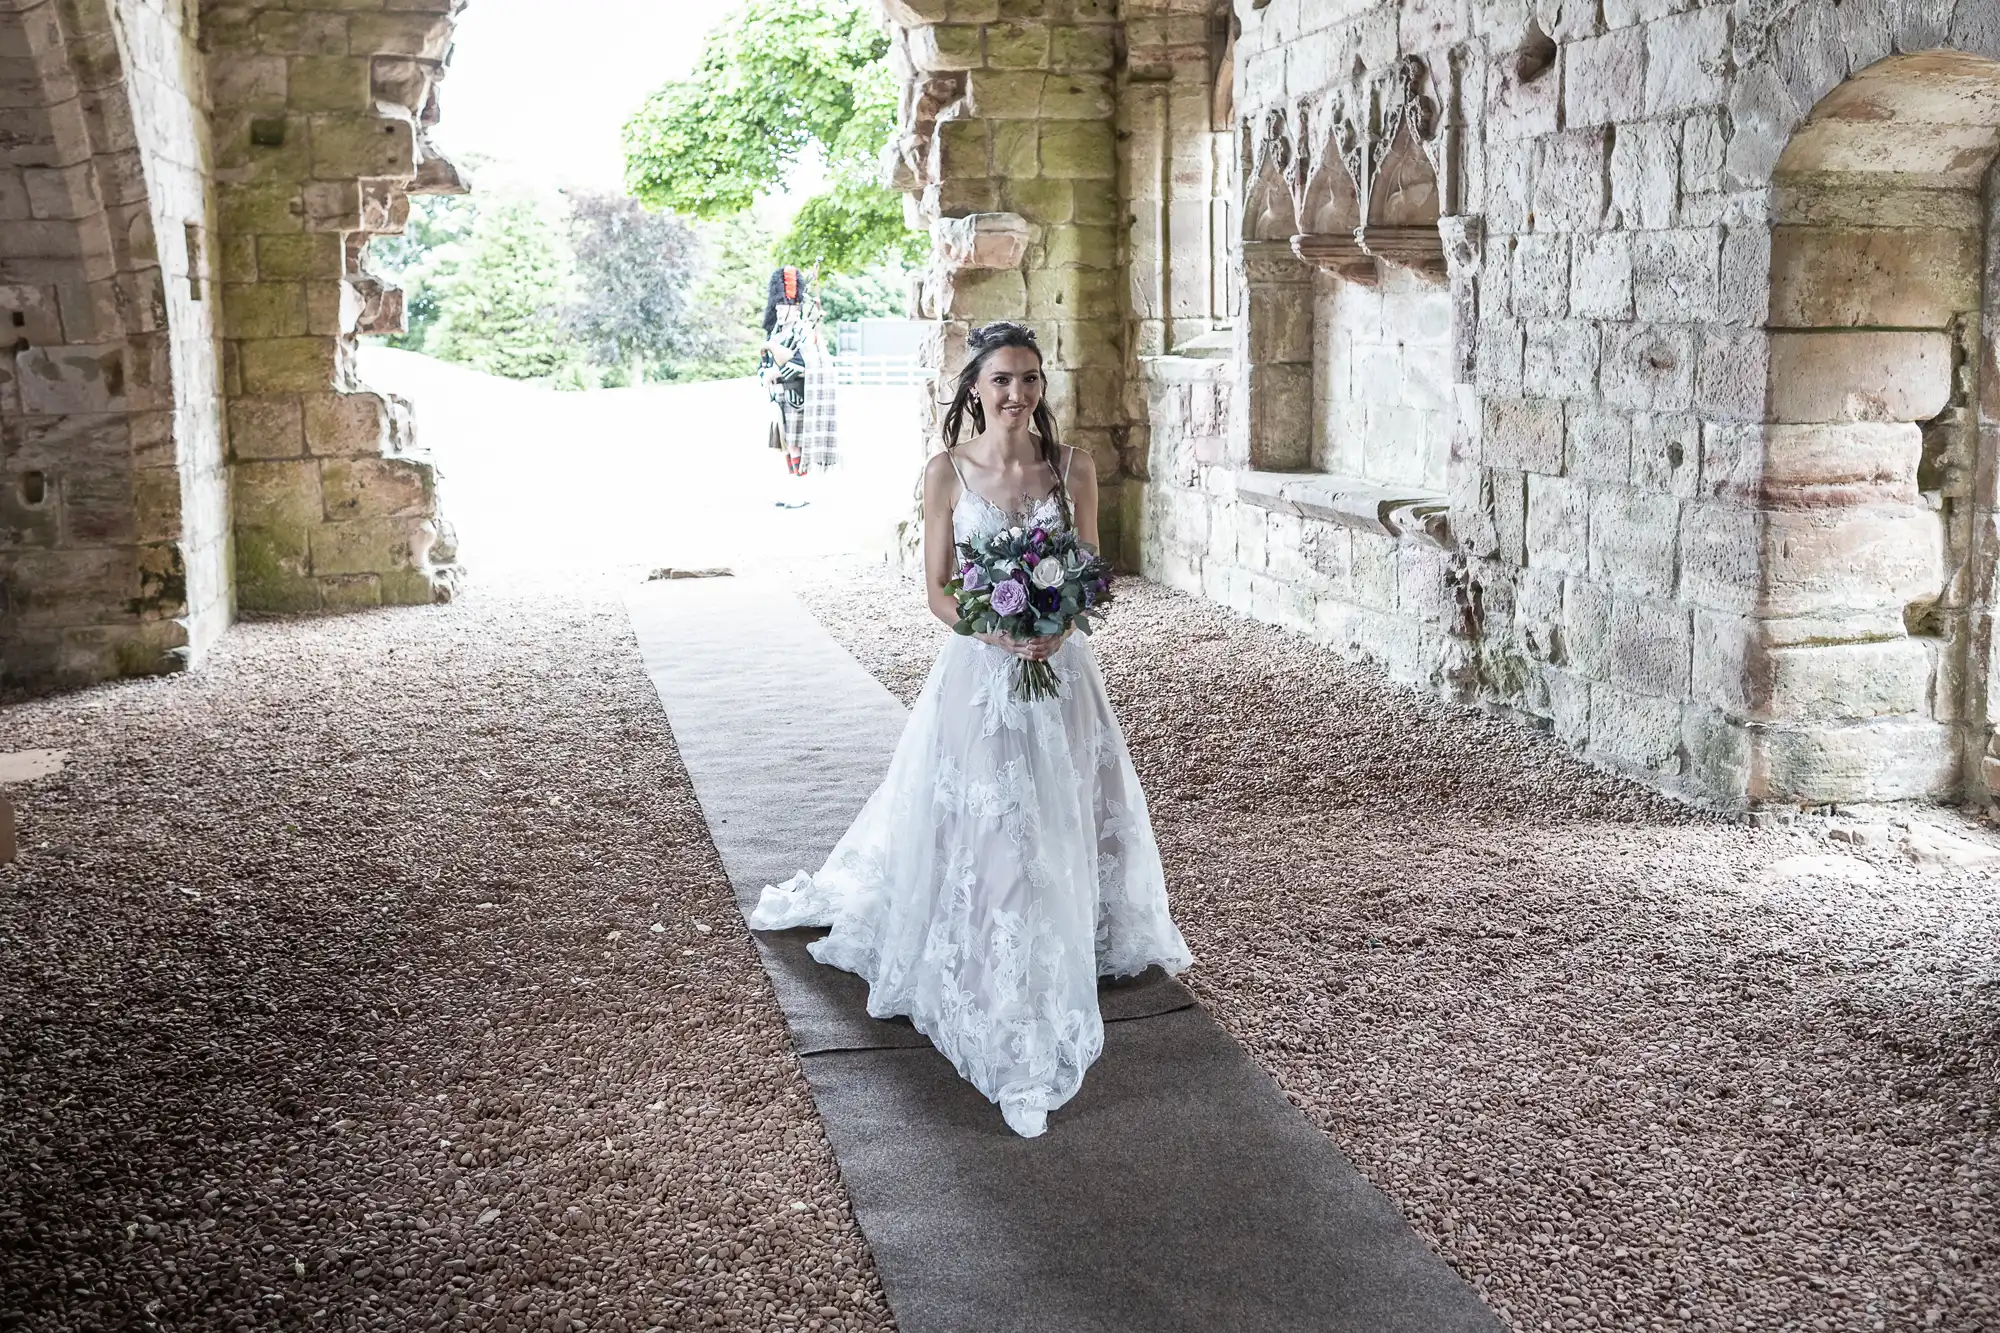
{"points": [[113, 506], [1381, 317], [1873, 650]]}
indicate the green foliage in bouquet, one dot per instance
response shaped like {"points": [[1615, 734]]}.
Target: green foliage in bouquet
{"points": [[1029, 583]]}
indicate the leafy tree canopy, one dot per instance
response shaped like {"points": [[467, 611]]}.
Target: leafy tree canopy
{"points": [[778, 79], [500, 301], [635, 274]]}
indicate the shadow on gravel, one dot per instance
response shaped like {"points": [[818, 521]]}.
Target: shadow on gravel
{"points": [[381, 975]]}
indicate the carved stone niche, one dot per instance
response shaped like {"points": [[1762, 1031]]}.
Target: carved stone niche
{"points": [[1359, 257], [1338, 254], [1419, 249]]}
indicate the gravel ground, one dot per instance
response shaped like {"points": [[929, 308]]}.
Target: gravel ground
{"points": [[381, 975], [1626, 1065]]}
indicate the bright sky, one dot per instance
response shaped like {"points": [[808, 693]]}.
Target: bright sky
{"points": [[545, 85]]}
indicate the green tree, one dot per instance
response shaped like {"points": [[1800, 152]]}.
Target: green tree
{"points": [[499, 306], [430, 246], [742, 251], [882, 292], [777, 80], [635, 273]]}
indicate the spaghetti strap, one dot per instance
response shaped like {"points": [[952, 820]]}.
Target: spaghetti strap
{"points": [[951, 456], [1067, 461]]}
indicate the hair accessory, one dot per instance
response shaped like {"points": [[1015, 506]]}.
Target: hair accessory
{"points": [[1001, 333]]}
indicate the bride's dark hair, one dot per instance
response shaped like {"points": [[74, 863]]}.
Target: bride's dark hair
{"points": [[984, 342]]}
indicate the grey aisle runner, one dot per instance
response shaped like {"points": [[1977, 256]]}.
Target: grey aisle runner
{"points": [[1178, 1191]]}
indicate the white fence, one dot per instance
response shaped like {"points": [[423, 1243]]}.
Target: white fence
{"points": [[872, 371]]}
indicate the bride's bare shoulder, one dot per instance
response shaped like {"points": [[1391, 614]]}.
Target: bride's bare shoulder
{"points": [[940, 478]]}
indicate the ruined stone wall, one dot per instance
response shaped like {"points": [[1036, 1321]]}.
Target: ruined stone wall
{"points": [[1009, 152], [167, 96], [319, 133], [1709, 529], [98, 555]]}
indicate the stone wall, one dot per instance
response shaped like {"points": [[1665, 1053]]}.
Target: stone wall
{"points": [[168, 97], [107, 538], [1009, 152], [1617, 366], [319, 130]]}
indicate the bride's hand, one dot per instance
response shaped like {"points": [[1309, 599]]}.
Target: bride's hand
{"points": [[1041, 650], [1033, 650]]}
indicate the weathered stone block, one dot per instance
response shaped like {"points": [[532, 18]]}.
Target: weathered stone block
{"points": [[1017, 45], [266, 427], [364, 546], [1604, 78], [1523, 433], [1859, 376], [1651, 647], [363, 145], [1560, 360], [421, 36], [1078, 150], [277, 494], [944, 47], [1569, 181], [310, 255], [1896, 277], [1674, 275], [1635, 731], [1733, 374], [376, 487], [1858, 558], [287, 365], [1541, 276], [264, 310], [329, 83], [1835, 464], [1687, 56], [1558, 533], [1597, 444], [980, 240], [1648, 367], [1666, 453], [982, 295], [995, 94], [1633, 539], [62, 380], [1081, 48], [274, 570], [1600, 280], [1884, 760], [1645, 173]]}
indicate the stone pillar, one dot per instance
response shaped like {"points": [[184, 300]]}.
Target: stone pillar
{"points": [[1982, 591], [319, 131], [1014, 117], [1272, 426], [95, 565]]}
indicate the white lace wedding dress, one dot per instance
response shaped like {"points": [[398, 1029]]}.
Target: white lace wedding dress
{"points": [[1004, 864]]}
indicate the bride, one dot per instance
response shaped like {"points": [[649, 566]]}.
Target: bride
{"points": [[1006, 861]]}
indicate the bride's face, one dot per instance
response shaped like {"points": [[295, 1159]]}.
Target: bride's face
{"points": [[1010, 386]]}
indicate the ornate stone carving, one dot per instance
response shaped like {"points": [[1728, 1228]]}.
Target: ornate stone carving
{"points": [[1335, 253], [1368, 131]]}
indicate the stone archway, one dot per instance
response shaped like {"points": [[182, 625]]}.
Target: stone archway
{"points": [[1867, 671], [113, 506]]}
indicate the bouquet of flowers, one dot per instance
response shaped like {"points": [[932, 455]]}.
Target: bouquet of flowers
{"points": [[1029, 583]]}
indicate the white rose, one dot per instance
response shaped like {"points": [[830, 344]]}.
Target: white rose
{"points": [[1047, 574]]}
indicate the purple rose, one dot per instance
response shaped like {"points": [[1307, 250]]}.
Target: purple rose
{"points": [[1031, 560], [1039, 537], [1010, 598], [973, 578]]}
